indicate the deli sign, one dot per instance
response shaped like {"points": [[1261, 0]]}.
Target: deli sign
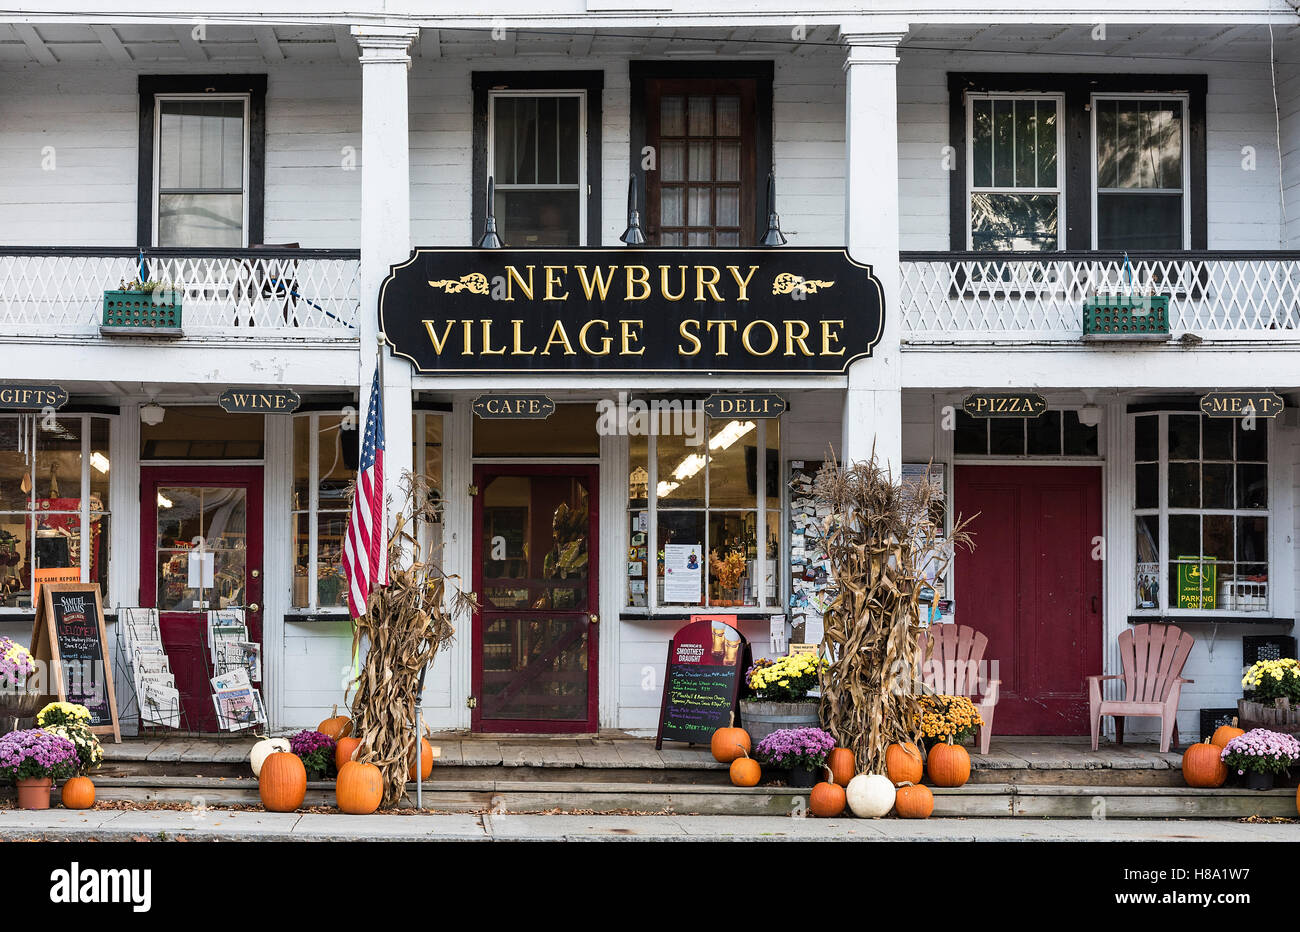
{"points": [[1242, 404], [622, 310], [1005, 404]]}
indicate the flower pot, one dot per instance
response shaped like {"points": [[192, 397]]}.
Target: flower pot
{"points": [[1258, 781], [34, 793], [803, 779], [760, 719]]}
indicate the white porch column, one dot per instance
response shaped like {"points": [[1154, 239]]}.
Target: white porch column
{"points": [[385, 224], [873, 402]]}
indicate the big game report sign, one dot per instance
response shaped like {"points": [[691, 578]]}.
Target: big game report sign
{"points": [[618, 309]]}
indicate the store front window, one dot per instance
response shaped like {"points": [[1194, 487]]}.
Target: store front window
{"points": [[324, 463], [1201, 513], [53, 502], [1053, 433], [704, 520]]}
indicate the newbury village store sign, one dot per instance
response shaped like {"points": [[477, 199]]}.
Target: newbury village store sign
{"points": [[619, 309]]}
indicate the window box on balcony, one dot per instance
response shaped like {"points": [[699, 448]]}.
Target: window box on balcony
{"points": [[1126, 317], [140, 312]]}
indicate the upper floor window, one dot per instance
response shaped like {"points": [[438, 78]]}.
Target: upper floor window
{"points": [[202, 171], [1140, 172], [537, 150], [1015, 180]]}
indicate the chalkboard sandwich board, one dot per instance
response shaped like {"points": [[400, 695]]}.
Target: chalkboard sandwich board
{"points": [[706, 660], [69, 637]]}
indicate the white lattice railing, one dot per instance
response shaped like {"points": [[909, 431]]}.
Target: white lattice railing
{"points": [[976, 297], [235, 294]]}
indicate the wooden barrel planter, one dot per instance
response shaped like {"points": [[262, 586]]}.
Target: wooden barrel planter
{"points": [[1280, 716], [760, 719]]}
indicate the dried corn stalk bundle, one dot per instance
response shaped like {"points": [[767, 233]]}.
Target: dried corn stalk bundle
{"points": [[883, 538], [406, 623]]}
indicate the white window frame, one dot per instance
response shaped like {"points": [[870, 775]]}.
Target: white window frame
{"points": [[31, 421], [1163, 511], [581, 185], [159, 99], [313, 512], [1058, 190], [762, 508], [1184, 100]]}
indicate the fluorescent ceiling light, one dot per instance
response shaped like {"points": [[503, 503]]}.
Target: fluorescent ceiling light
{"points": [[665, 488], [689, 466], [164, 501], [99, 461], [730, 434]]}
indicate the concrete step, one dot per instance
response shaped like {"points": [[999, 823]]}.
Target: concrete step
{"points": [[519, 796]]}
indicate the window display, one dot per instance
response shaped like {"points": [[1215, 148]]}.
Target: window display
{"points": [[46, 522]]}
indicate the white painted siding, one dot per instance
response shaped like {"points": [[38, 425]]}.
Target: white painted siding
{"points": [[1288, 93]]}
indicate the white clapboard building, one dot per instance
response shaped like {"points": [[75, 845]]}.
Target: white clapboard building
{"points": [[1085, 222]]}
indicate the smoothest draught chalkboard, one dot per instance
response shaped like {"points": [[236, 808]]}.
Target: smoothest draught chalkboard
{"points": [[69, 635], [706, 660]]}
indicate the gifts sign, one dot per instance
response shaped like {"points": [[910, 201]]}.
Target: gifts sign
{"points": [[69, 636], [702, 680]]}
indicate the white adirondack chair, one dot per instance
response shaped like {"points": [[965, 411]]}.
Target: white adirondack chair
{"points": [[1152, 657], [953, 656]]}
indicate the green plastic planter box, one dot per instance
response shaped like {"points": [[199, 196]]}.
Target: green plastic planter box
{"points": [[1126, 317], [142, 312]]}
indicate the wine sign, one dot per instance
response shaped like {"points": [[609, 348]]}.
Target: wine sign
{"points": [[706, 660], [69, 636]]}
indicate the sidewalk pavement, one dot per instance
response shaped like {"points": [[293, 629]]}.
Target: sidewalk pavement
{"points": [[235, 825]]}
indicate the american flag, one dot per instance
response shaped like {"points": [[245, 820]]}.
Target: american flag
{"points": [[365, 550]]}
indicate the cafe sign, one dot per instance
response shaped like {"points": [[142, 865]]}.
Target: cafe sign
{"points": [[621, 310], [1242, 404], [744, 405], [518, 407], [32, 397], [259, 401], [1004, 404]]}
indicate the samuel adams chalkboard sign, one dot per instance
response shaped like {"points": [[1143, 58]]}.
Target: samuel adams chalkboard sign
{"points": [[706, 660], [69, 636]]}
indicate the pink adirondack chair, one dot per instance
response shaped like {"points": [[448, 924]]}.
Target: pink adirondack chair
{"points": [[953, 657], [1152, 657]]}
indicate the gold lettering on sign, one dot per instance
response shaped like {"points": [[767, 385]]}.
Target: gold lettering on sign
{"points": [[597, 283], [722, 326], [438, 343], [829, 338], [487, 341], [518, 349], [742, 282], [560, 336], [513, 278], [791, 338], [553, 281], [663, 283], [604, 341], [638, 275], [748, 343], [710, 283], [628, 337], [686, 331]]}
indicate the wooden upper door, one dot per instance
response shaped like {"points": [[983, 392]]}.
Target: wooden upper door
{"points": [[535, 571], [200, 550], [704, 134], [1033, 587]]}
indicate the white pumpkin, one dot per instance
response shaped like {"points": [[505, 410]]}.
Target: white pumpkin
{"points": [[264, 749], [870, 795]]}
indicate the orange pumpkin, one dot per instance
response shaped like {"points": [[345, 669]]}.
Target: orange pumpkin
{"points": [[827, 799], [1225, 733], [282, 784], [1297, 800], [359, 788], [1203, 766], [903, 763], [426, 761], [914, 801], [344, 750], [949, 764], [745, 771], [729, 743], [78, 793], [336, 726], [842, 764]]}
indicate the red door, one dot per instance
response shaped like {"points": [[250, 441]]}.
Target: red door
{"points": [[200, 549], [1032, 586], [535, 636]]}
